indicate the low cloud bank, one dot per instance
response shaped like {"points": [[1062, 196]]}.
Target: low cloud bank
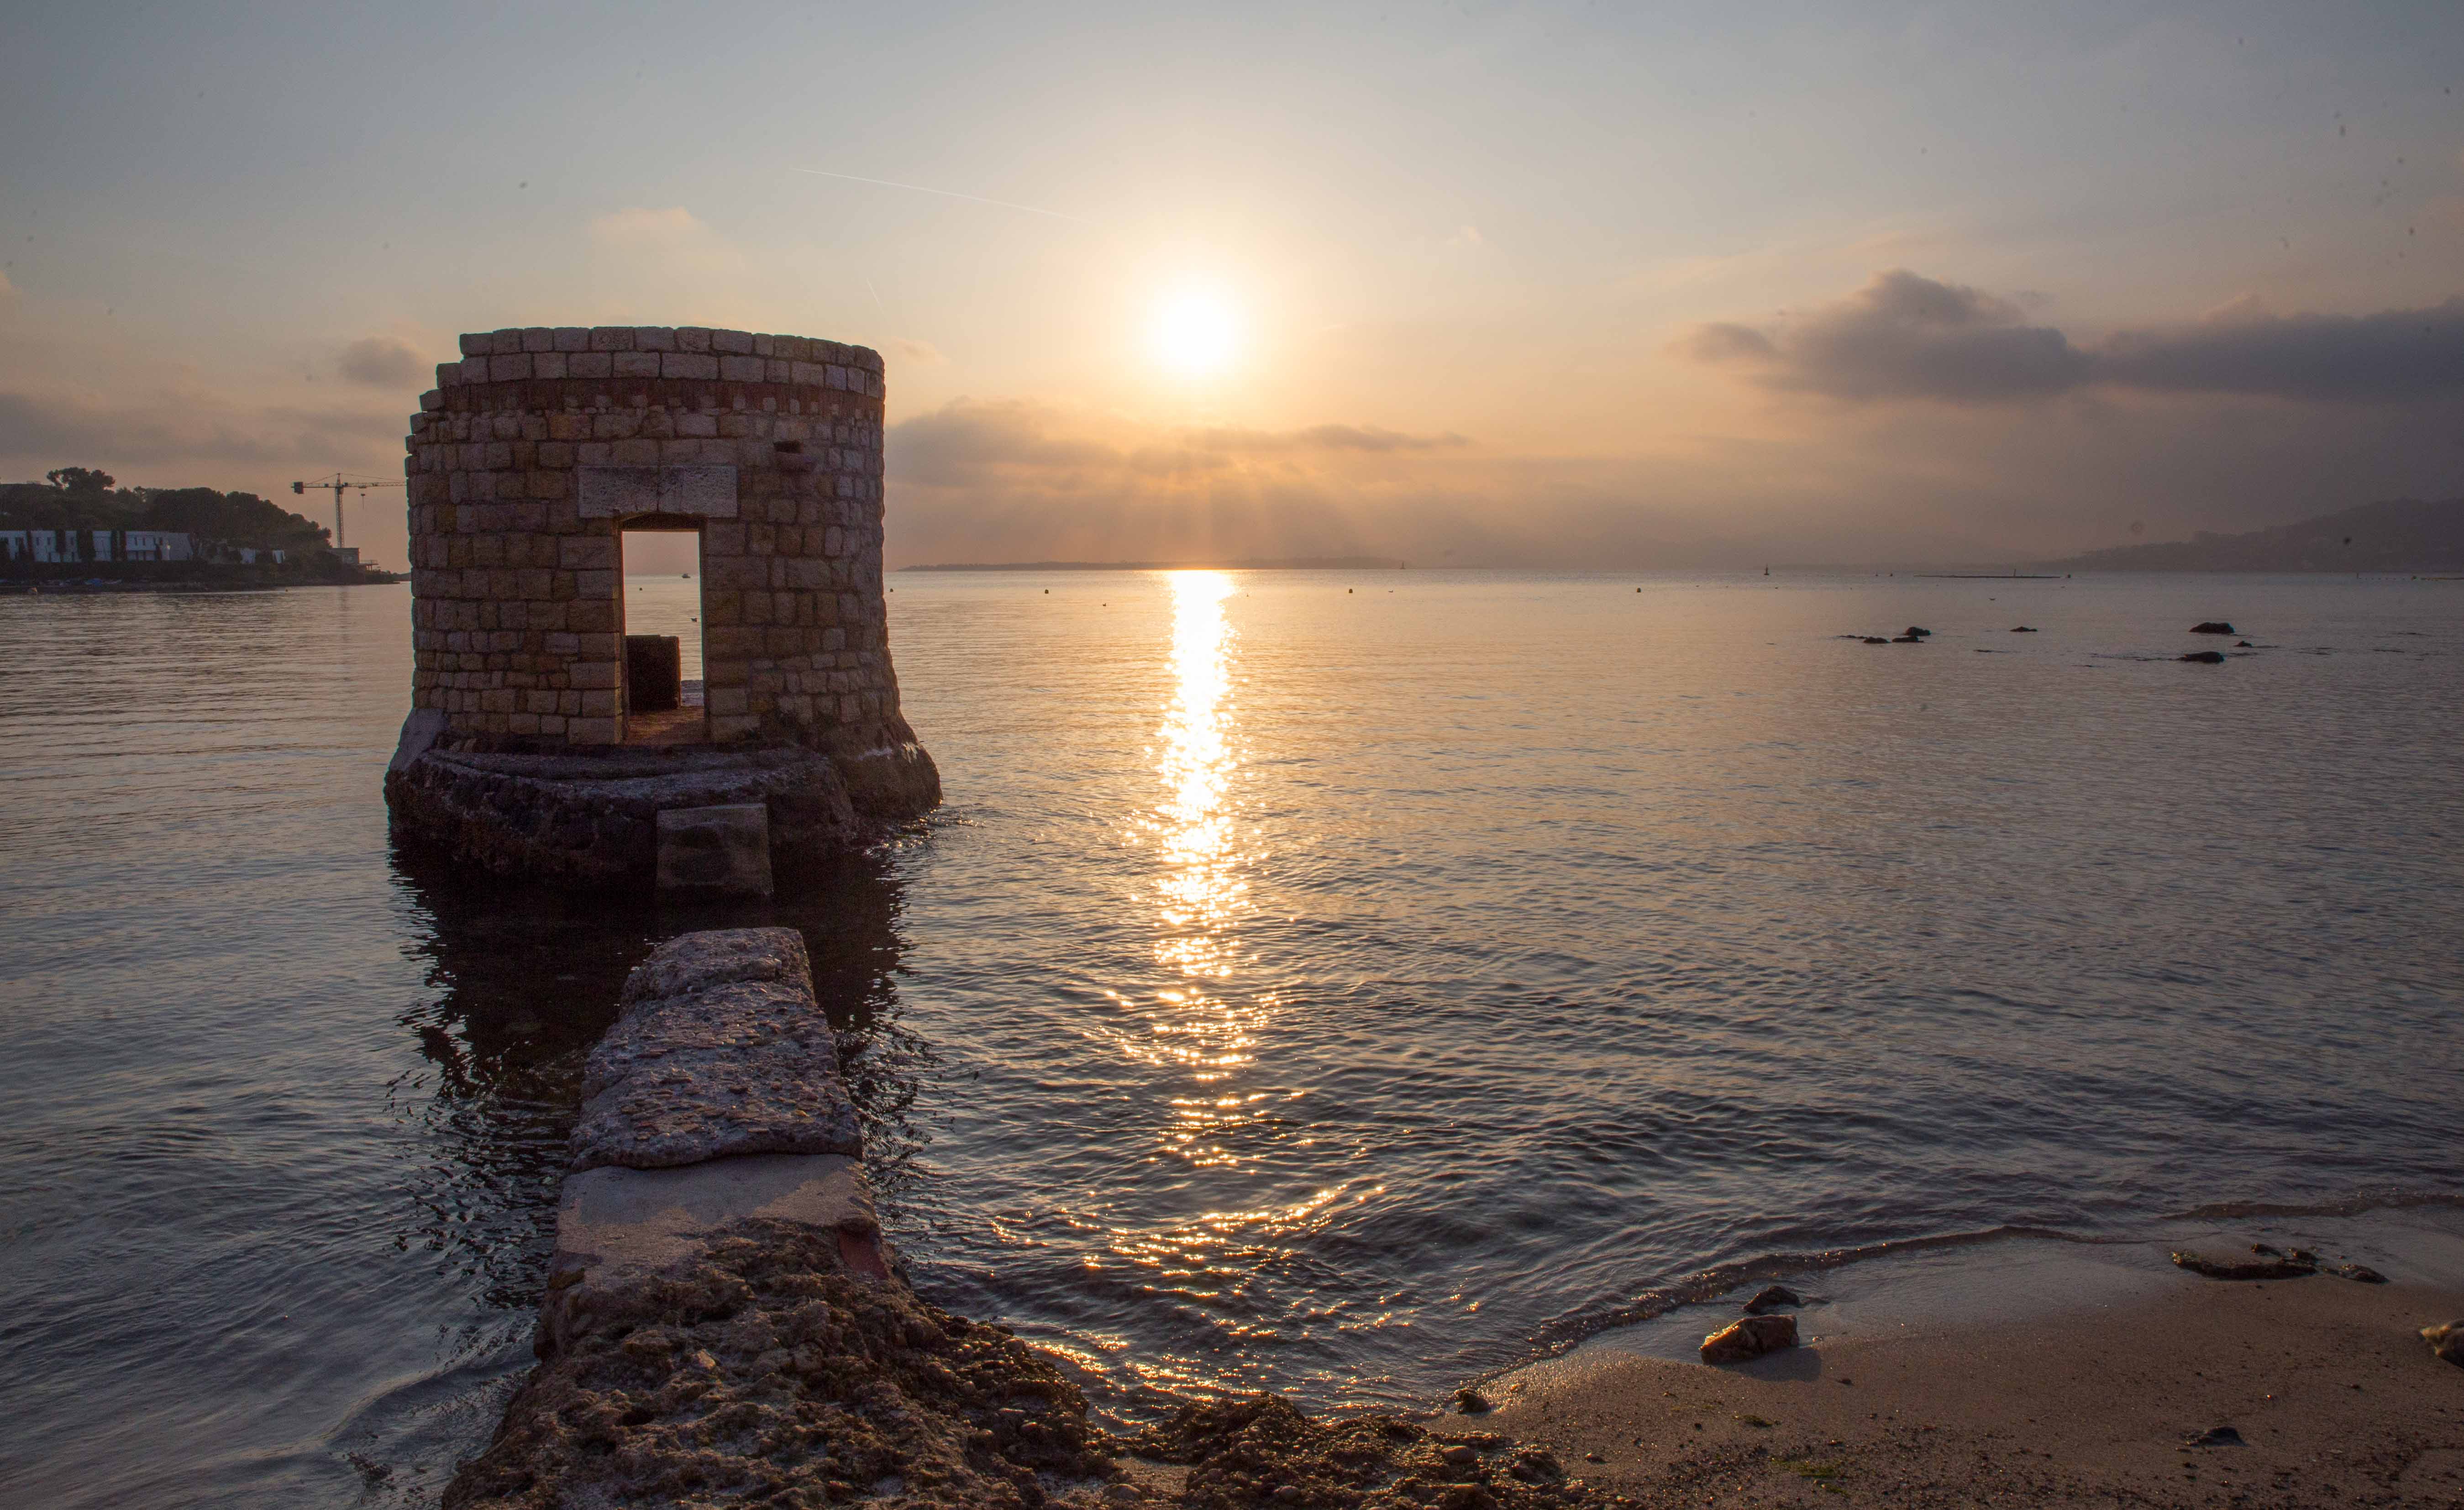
{"points": [[1908, 336], [187, 431], [1009, 479], [383, 361]]}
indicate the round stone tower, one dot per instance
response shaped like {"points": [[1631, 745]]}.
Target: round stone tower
{"points": [[527, 463]]}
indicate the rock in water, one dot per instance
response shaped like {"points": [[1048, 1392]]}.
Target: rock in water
{"points": [[2214, 1436], [1875, 639], [1771, 1297], [2206, 657], [2023, 630], [1908, 639], [2361, 1272], [1919, 634], [2238, 1269], [2446, 1341], [1751, 1338], [2213, 627]]}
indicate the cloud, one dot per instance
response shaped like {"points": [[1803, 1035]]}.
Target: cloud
{"points": [[1908, 336], [923, 352], [640, 224], [967, 438], [381, 362], [984, 480], [2394, 354], [181, 429], [1903, 336], [1320, 438]]}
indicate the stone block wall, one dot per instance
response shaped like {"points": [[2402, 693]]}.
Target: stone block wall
{"points": [[541, 444]]}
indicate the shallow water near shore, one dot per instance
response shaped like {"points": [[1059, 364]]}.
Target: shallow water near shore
{"points": [[1340, 983]]}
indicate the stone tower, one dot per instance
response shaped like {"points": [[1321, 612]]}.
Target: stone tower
{"points": [[527, 463]]}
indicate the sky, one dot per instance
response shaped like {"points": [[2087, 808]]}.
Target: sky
{"points": [[1557, 285]]}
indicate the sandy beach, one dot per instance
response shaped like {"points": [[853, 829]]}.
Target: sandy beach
{"points": [[2334, 1397]]}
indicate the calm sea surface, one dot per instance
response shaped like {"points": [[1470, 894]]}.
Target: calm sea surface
{"points": [[1342, 983]]}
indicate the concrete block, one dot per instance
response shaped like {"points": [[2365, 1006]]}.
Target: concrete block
{"points": [[636, 364], [611, 338], [613, 492], [538, 338], [731, 342], [478, 343], [654, 338], [693, 338], [572, 338], [741, 369], [688, 364], [722, 851]]}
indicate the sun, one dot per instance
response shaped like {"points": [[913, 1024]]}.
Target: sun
{"points": [[1195, 330]]}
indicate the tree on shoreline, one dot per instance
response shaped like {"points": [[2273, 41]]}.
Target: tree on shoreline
{"points": [[87, 497]]}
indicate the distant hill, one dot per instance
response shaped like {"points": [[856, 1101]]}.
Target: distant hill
{"points": [[79, 497], [2405, 535]]}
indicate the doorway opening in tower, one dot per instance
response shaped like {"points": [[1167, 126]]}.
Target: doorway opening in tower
{"points": [[662, 624]]}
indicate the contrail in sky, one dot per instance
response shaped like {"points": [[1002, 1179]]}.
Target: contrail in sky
{"points": [[946, 193]]}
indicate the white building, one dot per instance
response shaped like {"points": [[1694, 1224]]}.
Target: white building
{"points": [[68, 545], [153, 544]]}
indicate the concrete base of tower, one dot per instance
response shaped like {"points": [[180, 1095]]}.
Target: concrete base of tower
{"points": [[591, 820]]}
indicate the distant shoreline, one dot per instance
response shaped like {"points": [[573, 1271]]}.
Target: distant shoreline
{"points": [[23, 587], [1286, 564]]}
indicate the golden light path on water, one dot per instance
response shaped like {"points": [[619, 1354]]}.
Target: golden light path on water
{"points": [[1199, 1021]]}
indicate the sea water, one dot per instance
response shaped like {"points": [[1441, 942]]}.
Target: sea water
{"points": [[1337, 983]]}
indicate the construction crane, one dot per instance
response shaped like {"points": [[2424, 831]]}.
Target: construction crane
{"points": [[335, 484]]}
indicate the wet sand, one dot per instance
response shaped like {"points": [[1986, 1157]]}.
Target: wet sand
{"points": [[2335, 1397]]}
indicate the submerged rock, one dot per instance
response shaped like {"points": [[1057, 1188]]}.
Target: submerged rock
{"points": [[1915, 632], [2213, 627], [2360, 1272], [2023, 630], [2278, 1267], [1751, 1338], [1771, 1297], [1908, 639], [2206, 658], [1875, 639]]}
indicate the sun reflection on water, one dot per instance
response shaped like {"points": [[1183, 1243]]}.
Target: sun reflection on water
{"points": [[1200, 1023], [1201, 889]]}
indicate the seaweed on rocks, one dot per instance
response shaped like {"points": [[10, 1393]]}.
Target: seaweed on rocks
{"points": [[1258, 1452], [768, 1372]]}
